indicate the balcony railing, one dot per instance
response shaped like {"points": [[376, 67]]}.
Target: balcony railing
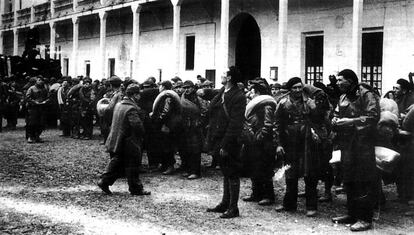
{"points": [[8, 19], [42, 12], [23, 16], [115, 2], [63, 7], [87, 5]]}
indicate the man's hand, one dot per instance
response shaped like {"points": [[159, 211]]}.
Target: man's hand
{"points": [[343, 122], [223, 153], [280, 151]]}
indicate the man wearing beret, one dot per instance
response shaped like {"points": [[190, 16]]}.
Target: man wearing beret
{"points": [[355, 124], [124, 144], [226, 123], [294, 141]]}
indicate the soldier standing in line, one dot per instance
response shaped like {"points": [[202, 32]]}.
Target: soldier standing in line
{"points": [[74, 102], [36, 98], [294, 141], [355, 123], [62, 96], [115, 96], [86, 109]]}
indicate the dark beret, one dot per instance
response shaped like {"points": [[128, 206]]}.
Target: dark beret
{"points": [[167, 84], [115, 80], [133, 89], [188, 83], [292, 82]]}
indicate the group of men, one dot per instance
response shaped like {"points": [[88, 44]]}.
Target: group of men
{"points": [[249, 129]]}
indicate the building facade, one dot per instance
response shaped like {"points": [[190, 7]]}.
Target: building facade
{"points": [[274, 39]]}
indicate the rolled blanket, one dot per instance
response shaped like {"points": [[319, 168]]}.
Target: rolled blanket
{"points": [[166, 93], [256, 101], [389, 105]]}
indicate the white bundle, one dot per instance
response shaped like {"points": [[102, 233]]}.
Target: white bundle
{"points": [[280, 174]]}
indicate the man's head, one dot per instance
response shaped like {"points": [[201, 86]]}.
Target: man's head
{"points": [[40, 82], [231, 76], [295, 86], [133, 92], [189, 87], [165, 85], [178, 87], [87, 82], [347, 80], [401, 88], [275, 88], [115, 81]]}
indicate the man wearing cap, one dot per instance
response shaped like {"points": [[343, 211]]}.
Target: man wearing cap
{"points": [[404, 97], [355, 124], [178, 88], [226, 123], [293, 138], [124, 144], [36, 98], [86, 109], [115, 96], [191, 138], [166, 118], [74, 102]]}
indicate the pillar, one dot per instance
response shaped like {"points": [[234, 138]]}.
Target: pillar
{"points": [[52, 39], [2, 10], [52, 8], [176, 35], [75, 5], [15, 42], [16, 8], [32, 14], [356, 51], [224, 38], [136, 9], [1, 43], [102, 42], [74, 62], [282, 41]]}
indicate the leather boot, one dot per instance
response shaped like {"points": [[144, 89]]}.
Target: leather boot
{"points": [[361, 226], [233, 210], [104, 187], [224, 204]]}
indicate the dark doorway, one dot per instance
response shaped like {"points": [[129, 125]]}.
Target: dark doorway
{"points": [[111, 67], [372, 59], [248, 52], [313, 59]]}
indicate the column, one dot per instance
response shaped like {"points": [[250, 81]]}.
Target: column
{"points": [[282, 42], [356, 51], [102, 42], [2, 5], [136, 9], [1, 43], [75, 5], [74, 62], [16, 8], [224, 38], [32, 14], [176, 34], [15, 42], [52, 39], [52, 8]]}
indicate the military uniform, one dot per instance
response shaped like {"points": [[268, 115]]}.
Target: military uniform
{"points": [[36, 98]]}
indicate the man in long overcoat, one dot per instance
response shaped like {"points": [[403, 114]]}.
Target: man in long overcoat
{"points": [[355, 123], [36, 98], [124, 144], [227, 111]]}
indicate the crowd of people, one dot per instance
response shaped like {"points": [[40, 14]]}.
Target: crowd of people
{"points": [[250, 128]]}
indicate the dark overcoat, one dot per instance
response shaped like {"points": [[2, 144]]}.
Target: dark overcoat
{"points": [[357, 142]]}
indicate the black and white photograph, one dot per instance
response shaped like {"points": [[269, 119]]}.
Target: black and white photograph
{"points": [[206, 117]]}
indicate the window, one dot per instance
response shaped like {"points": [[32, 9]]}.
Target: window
{"points": [[87, 68], [211, 75], [65, 66], [313, 58], [372, 43], [189, 52], [111, 67]]}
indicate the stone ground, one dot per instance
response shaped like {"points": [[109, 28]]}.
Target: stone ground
{"points": [[50, 188]]}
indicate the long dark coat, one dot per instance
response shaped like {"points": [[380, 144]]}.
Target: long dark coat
{"points": [[225, 129], [292, 132], [358, 141], [35, 110], [260, 153], [127, 129]]}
